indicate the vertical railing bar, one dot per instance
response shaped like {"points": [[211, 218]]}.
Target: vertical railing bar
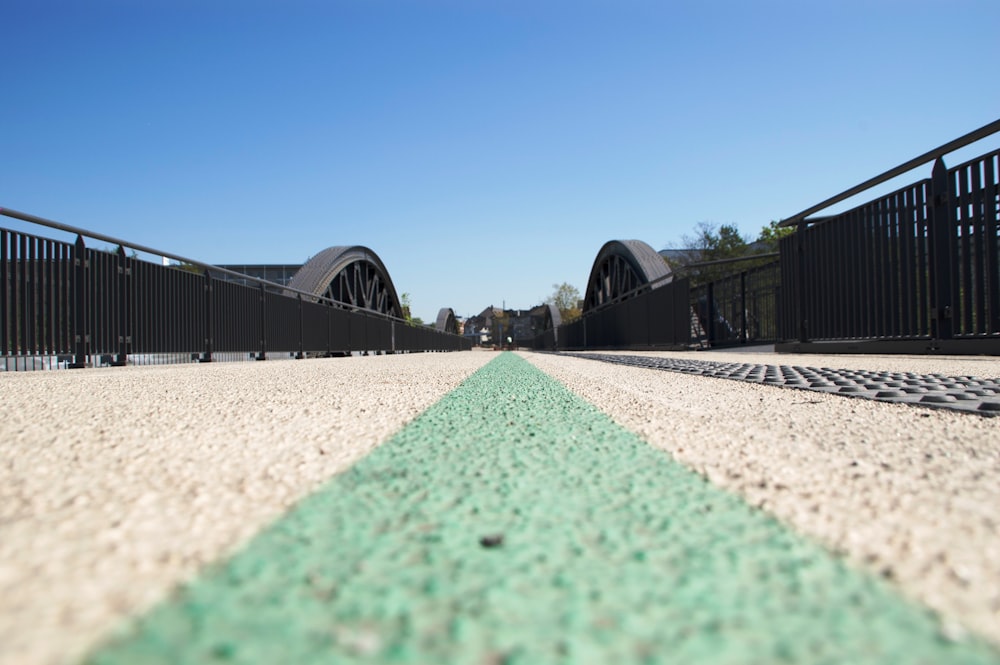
{"points": [[5, 314], [124, 332], [62, 298], [881, 230], [895, 205], [819, 276], [861, 295], [848, 259], [959, 241], [42, 286], [834, 270], [30, 288], [960, 178], [263, 323], [81, 332], [868, 276], [907, 221], [925, 238], [49, 297], [978, 212], [942, 220], [991, 212], [209, 331], [22, 295], [833, 280], [886, 265]]}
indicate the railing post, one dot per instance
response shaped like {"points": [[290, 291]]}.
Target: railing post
{"points": [[800, 286], [302, 331], [81, 332], [7, 311], [942, 224], [124, 308], [710, 307], [263, 322], [743, 308], [206, 356]]}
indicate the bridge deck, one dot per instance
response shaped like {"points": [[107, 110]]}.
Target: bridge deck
{"points": [[511, 520]]}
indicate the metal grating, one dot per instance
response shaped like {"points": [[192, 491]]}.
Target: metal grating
{"points": [[965, 394]]}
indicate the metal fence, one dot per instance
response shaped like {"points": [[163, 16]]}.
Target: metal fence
{"points": [[916, 270], [649, 319], [68, 305], [741, 308]]}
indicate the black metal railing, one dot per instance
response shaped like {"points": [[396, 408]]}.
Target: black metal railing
{"points": [[917, 270], [66, 304], [644, 318], [740, 308]]}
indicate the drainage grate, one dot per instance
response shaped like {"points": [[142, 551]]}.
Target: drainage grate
{"points": [[966, 394]]}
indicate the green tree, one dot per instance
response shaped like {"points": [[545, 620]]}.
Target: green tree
{"points": [[404, 305], [566, 298], [716, 244], [771, 233], [711, 243]]}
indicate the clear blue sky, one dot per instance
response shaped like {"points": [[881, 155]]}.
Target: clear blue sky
{"points": [[484, 149]]}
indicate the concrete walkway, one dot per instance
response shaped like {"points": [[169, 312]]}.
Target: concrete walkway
{"points": [[134, 479]]}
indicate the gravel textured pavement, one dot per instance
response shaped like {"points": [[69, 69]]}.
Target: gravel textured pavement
{"points": [[909, 493], [117, 484]]}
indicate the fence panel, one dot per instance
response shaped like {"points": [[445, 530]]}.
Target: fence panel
{"points": [[861, 275], [285, 325], [36, 297], [87, 306], [975, 205], [921, 264]]}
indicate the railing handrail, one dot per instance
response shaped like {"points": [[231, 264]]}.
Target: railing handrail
{"points": [[719, 262], [41, 221], [928, 156]]}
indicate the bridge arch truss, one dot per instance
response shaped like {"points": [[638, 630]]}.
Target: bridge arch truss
{"points": [[623, 267], [353, 275]]}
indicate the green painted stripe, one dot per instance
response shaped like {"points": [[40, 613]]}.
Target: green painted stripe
{"points": [[610, 553]]}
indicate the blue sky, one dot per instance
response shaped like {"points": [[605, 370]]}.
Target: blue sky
{"points": [[484, 149]]}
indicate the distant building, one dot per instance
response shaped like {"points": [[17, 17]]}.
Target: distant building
{"points": [[479, 328], [278, 273], [494, 325]]}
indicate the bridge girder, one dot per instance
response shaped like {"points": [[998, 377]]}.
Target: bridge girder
{"points": [[622, 266], [354, 275]]}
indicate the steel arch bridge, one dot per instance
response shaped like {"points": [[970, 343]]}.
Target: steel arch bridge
{"points": [[354, 275], [623, 266], [446, 321]]}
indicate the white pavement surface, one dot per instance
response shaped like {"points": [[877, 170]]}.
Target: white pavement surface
{"points": [[906, 492], [118, 483]]}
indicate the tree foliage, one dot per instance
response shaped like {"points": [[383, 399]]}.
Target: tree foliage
{"points": [[771, 233], [566, 298], [404, 305], [712, 243]]}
